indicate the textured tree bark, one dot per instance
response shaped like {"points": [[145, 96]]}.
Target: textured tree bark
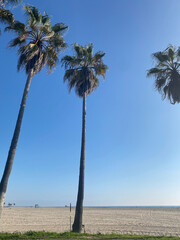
{"points": [[13, 146], [77, 225]]}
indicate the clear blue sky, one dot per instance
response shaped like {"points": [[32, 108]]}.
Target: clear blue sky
{"points": [[133, 137]]}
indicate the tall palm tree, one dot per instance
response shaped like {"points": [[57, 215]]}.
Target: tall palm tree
{"points": [[6, 15], [82, 71], [38, 44], [167, 73]]}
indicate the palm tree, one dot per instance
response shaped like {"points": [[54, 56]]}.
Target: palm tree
{"points": [[5, 15], [82, 71], [38, 44], [166, 73]]}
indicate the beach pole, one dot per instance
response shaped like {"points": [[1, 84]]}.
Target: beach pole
{"points": [[70, 216]]}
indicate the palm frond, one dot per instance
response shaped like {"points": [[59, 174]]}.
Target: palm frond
{"points": [[70, 62], [17, 27], [155, 71], [171, 53], [79, 50], [100, 69], [159, 83], [33, 12], [46, 20], [33, 15], [59, 28], [160, 56], [89, 48], [98, 56], [17, 41], [51, 64], [57, 43], [6, 16], [69, 74]]}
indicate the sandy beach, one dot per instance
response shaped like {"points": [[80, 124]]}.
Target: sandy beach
{"points": [[124, 220]]}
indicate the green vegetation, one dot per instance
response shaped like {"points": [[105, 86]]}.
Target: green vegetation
{"points": [[80, 236]]}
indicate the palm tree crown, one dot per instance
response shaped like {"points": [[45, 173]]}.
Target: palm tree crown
{"points": [[83, 68], [166, 73], [39, 42]]}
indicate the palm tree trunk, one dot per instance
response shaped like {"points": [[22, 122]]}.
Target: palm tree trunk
{"points": [[77, 225], [12, 150]]}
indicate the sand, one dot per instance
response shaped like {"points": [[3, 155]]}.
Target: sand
{"points": [[140, 220]]}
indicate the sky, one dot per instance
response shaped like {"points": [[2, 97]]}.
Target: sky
{"points": [[133, 137]]}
